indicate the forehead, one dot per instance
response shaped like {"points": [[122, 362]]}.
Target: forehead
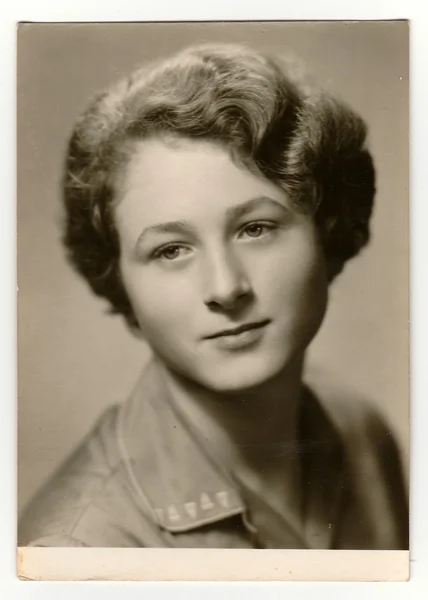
{"points": [[185, 179]]}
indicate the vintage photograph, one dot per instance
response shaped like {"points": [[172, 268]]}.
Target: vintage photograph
{"points": [[213, 285]]}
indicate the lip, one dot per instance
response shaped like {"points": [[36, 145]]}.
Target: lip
{"points": [[240, 338], [236, 331]]}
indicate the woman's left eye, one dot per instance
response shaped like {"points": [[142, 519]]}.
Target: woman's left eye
{"points": [[255, 230]]}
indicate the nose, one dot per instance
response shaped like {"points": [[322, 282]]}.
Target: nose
{"points": [[227, 285]]}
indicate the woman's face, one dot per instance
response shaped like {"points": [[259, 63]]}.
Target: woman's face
{"points": [[227, 281]]}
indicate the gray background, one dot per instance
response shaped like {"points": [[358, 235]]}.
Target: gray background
{"points": [[74, 360]]}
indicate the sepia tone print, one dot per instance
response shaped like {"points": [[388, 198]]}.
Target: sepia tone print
{"points": [[212, 232]]}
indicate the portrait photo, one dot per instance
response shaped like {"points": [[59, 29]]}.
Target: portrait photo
{"points": [[213, 302]]}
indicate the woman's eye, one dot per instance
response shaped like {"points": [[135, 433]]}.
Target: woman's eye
{"points": [[170, 252], [256, 230]]}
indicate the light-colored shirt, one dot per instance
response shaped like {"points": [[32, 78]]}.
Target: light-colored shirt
{"points": [[143, 478]]}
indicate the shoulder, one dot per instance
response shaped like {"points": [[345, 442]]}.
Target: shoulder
{"points": [[356, 418], [375, 513], [367, 438], [53, 513]]}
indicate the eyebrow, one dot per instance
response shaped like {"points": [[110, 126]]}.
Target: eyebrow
{"points": [[179, 227], [240, 210], [232, 213]]}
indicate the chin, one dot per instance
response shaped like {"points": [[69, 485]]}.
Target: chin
{"points": [[239, 376]]}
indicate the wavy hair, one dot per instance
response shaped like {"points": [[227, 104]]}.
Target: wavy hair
{"points": [[309, 143]]}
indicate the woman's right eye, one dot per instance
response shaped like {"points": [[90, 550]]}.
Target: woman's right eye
{"points": [[170, 253]]}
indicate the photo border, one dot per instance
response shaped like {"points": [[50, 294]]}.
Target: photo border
{"points": [[192, 11]]}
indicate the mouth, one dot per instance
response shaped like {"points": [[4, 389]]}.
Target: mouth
{"points": [[238, 330]]}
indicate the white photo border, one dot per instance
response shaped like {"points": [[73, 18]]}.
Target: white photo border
{"points": [[81, 10]]}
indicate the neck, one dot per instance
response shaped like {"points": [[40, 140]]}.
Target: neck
{"points": [[251, 428]]}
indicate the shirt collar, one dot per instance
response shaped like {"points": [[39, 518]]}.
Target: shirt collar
{"points": [[179, 482], [172, 471]]}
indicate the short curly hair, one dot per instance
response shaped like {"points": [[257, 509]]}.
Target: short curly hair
{"points": [[309, 143]]}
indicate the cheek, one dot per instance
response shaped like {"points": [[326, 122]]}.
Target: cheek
{"points": [[295, 277], [158, 302]]}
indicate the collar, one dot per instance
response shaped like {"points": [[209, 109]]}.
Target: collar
{"points": [[173, 475], [182, 487]]}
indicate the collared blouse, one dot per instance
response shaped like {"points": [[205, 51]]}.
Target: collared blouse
{"points": [[143, 478]]}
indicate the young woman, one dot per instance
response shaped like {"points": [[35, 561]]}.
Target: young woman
{"points": [[211, 199]]}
